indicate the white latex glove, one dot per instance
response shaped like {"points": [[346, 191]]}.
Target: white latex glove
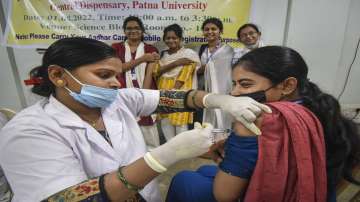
{"points": [[188, 144], [244, 109]]}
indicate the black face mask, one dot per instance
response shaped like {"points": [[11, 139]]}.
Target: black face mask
{"points": [[259, 96]]}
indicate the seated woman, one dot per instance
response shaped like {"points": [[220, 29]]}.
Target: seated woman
{"points": [[306, 144], [176, 70]]}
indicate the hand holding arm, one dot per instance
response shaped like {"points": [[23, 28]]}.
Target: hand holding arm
{"points": [[178, 84], [150, 57], [147, 57], [172, 65], [244, 109]]}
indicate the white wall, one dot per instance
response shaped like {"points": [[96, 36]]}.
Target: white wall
{"points": [[27, 59], [9, 96], [323, 31], [317, 31], [13, 93], [349, 63], [270, 16]]}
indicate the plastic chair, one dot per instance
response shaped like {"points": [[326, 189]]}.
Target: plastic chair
{"points": [[5, 190], [8, 113]]}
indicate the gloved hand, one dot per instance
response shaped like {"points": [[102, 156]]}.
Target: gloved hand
{"points": [[244, 109], [185, 145]]}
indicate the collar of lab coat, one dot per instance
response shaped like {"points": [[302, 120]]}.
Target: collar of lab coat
{"points": [[63, 115], [67, 118]]}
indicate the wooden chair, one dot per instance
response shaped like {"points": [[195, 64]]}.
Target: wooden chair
{"points": [[346, 191]]}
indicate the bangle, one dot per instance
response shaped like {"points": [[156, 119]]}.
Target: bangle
{"points": [[186, 105], [103, 192], [193, 100], [153, 163], [127, 184], [204, 99]]}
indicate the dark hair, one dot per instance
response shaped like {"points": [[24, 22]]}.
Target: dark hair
{"points": [[136, 19], [215, 21], [247, 25], [175, 28], [69, 53], [341, 134]]}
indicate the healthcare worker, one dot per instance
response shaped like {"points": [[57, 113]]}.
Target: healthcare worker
{"points": [[82, 141], [216, 60], [250, 36]]}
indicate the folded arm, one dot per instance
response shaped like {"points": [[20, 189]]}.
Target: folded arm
{"points": [[147, 57], [180, 62], [185, 74]]}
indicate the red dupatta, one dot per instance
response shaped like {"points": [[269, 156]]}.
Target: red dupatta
{"points": [[291, 163]]}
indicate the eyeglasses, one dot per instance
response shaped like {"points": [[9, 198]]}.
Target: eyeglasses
{"points": [[133, 29], [247, 34]]}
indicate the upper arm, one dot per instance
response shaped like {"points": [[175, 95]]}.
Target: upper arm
{"points": [[38, 165], [241, 130], [141, 102], [235, 187]]}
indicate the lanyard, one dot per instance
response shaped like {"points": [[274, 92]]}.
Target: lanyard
{"points": [[209, 54]]}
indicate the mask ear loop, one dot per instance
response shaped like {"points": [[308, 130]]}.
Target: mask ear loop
{"points": [[79, 82], [75, 79], [70, 91], [272, 86], [282, 95]]}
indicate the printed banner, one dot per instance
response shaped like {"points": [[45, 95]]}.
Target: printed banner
{"points": [[38, 23]]}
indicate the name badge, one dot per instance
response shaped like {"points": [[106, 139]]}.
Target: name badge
{"points": [[133, 76]]}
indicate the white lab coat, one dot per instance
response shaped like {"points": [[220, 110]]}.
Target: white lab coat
{"points": [[47, 147], [239, 52]]}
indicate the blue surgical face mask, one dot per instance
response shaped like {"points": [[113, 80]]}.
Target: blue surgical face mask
{"points": [[93, 96]]}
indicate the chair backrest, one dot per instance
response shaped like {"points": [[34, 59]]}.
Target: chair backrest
{"points": [[8, 113]]}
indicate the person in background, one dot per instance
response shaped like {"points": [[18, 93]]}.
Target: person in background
{"points": [[250, 36], [305, 148], [82, 142], [176, 71], [139, 59], [216, 67]]}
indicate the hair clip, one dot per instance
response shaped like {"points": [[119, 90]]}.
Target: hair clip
{"points": [[33, 81]]}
